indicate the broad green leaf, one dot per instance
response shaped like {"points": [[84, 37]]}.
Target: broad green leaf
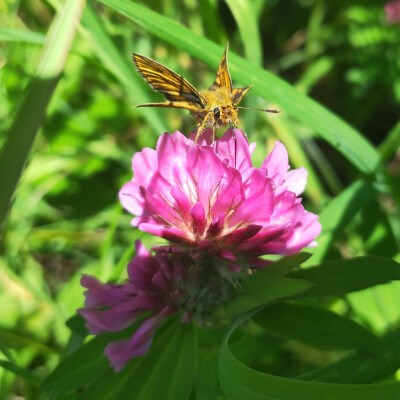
{"points": [[30, 376], [242, 382], [169, 371], [317, 327], [378, 306], [208, 391], [82, 366], [29, 116], [336, 277], [109, 385], [267, 284], [333, 129], [278, 289], [260, 279], [361, 367], [338, 213], [78, 334]]}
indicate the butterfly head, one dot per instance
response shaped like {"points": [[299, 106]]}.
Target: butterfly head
{"points": [[226, 115]]}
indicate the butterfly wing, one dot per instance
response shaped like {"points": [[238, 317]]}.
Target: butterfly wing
{"points": [[181, 104], [177, 90], [223, 77], [237, 94]]}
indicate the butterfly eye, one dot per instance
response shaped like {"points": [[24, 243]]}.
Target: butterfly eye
{"points": [[216, 111]]}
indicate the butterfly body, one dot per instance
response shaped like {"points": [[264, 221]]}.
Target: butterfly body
{"points": [[216, 106], [219, 108]]}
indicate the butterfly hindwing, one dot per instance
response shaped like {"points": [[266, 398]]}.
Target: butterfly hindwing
{"points": [[174, 87], [237, 94]]}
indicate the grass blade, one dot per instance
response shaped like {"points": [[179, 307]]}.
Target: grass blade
{"points": [[29, 116]]}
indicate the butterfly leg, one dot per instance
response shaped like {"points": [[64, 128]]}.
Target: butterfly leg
{"points": [[208, 120]]}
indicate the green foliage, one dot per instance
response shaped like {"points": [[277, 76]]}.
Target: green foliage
{"points": [[311, 323]]}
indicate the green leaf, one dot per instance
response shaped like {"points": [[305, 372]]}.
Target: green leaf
{"points": [[18, 35], [281, 288], [82, 366], [333, 129], [168, 371], [278, 269], [120, 66], [133, 381], [391, 142], [361, 367], [30, 114], [378, 306], [317, 327], [108, 386], [267, 284], [337, 277], [241, 382], [338, 213], [206, 390], [245, 17], [30, 376]]}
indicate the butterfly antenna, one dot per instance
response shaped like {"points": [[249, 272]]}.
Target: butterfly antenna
{"points": [[260, 109]]}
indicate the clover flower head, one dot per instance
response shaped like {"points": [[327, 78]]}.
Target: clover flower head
{"points": [[210, 197]]}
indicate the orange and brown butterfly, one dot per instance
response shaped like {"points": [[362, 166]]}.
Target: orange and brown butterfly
{"points": [[216, 106]]}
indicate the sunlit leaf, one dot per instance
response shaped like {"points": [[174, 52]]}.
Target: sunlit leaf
{"points": [[336, 277], [317, 327], [242, 382]]}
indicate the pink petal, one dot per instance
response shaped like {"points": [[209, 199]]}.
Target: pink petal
{"points": [[257, 208], [160, 208], [234, 147], [230, 193], [144, 165], [172, 152], [121, 352], [207, 171], [103, 295], [240, 235], [266, 235], [226, 255], [216, 226], [143, 265], [182, 201], [296, 180], [199, 218], [113, 319], [131, 198], [277, 163], [304, 233], [161, 282]]}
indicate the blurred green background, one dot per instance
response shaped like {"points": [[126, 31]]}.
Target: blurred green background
{"points": [[66, 219]]}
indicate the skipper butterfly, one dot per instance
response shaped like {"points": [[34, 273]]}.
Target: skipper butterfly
{"points": [[216, 106]]}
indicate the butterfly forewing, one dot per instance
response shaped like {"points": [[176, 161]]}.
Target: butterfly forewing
{"points": [[223, 78], [174, 87]]}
